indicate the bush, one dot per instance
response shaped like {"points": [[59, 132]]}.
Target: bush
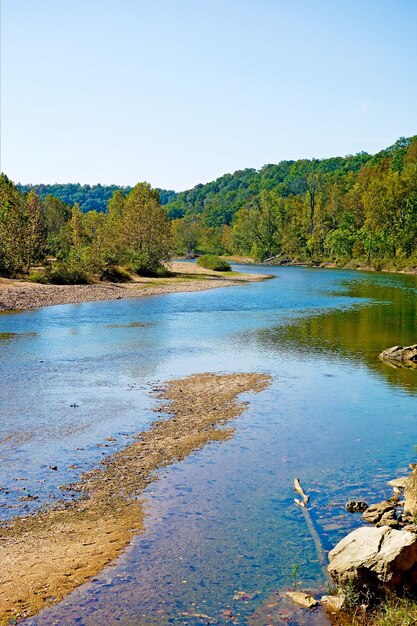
{"points": [[213, 262], [163, 272], [146, 264], [115, 274], [64, 274], [38, 277]]}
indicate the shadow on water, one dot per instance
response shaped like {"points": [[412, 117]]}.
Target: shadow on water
{"points": [[358, 334]]}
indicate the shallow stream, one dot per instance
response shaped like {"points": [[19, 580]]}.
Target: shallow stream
{"points": [[75, 383]]}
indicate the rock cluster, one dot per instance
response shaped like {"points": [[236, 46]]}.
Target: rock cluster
{"points": [[401, 355], [385, 555], [383, 514]]}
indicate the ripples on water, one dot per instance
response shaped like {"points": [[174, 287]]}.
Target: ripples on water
{"points": [[223, 520]]}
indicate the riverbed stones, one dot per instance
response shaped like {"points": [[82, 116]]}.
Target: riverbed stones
{"points": [[401, 355], [374, 557]]}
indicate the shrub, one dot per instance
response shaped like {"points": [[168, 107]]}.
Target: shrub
{"points": [[38, 277], [213, 262], [146, 264], [115, 274], [64, 274]]}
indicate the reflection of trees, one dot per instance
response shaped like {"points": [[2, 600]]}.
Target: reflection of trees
{"points": [[360, 333]]}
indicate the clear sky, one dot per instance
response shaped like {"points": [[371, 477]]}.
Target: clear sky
{"points": [[178, 92]]}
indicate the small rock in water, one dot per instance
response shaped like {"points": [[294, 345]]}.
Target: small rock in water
{"points": [[53, 467], [353, 506], [241, 595], [303, 599], [406, 355]]}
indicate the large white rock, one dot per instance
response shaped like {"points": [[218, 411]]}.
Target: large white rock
{"points": [[375, 556]]}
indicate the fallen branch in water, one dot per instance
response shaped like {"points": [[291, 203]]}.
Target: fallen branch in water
{"points": [[298, 489], [321, 554]]}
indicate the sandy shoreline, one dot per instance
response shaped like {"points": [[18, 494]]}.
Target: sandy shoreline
{"points": [[45, 556], [19, 294]]}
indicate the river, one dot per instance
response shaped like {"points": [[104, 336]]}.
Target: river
{"points": [[75, 382]]}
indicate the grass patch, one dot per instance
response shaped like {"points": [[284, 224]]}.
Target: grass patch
{"points": [[213, 262], [397, 612]]}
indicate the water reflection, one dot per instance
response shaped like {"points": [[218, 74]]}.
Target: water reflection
{"points": [[223, 521], [360, 333]]}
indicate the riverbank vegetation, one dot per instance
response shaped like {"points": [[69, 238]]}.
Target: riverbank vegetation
{"points": [[355, 210], [352, 211], [213, 262], [134, 235]]}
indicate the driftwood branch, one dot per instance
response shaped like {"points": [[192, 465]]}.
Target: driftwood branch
{"points": [[298, 489], [321, 554]]}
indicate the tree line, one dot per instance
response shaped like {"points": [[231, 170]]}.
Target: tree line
{"points": [[69, 246], [88, 197], [356, 209]]}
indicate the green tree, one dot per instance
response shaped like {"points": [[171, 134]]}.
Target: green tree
{"points": [[33, 231], [138, 232], [186, 234], [11, 228]]}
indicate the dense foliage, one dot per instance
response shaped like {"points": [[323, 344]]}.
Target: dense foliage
{"points": [[76, 247], [354, 209], [88, 197], [213, 262], [358, 207]]}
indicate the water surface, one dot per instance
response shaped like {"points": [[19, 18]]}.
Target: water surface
{"points": [[222, 521]]}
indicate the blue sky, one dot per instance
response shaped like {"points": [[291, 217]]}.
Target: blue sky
{"points": [[178, 92]]}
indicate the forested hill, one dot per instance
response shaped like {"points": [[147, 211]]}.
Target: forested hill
{"points": [[221, 199], [361, 207], [88, 197], [218, 201]]}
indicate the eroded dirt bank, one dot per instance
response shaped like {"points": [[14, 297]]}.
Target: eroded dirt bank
{"points": [[45, 556]]}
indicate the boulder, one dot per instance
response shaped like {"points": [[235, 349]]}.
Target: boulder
{"points": [[401, 355], [388, 519], [375, 557], [410, 495]]}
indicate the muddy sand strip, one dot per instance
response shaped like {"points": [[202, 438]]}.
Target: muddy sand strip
{"points": [[19, 294], [45, 556]]}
